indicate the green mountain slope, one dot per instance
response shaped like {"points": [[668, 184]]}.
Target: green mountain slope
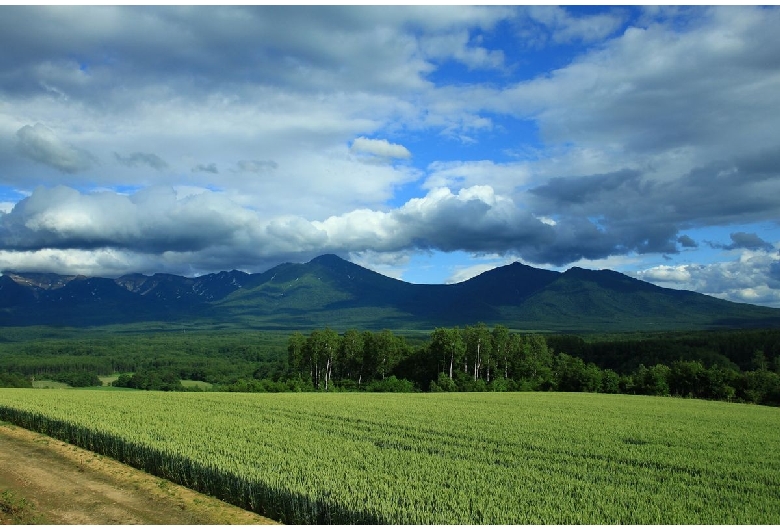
{"points": [[329, 291], [325, 291], [582, 299]]}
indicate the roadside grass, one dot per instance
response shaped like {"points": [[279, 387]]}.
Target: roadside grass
{"points": [[18, 509]]}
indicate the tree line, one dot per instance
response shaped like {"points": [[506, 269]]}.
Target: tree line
{"points": [[737, 365], [478, 358]]}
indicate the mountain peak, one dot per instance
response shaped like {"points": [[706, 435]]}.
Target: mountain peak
{"points": [[609, 279], [41, 280], [328, 259]]}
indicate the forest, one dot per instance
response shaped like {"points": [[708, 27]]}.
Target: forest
{"points": [[478, 358], [735, 365]]}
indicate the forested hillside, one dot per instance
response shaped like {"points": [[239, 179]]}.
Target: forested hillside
{"points": [[331, 292]]}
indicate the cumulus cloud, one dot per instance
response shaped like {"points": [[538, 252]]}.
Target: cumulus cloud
{"points": [[104, 262], [157, 220], [151, 220], [752, 278], [41, 144], [503, 178], [379, 148], [141, 159], [675, 274]]}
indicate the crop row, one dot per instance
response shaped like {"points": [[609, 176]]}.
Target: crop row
{"points": [[436, 459]]}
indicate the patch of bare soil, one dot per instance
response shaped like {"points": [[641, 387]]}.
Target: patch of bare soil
{"points": [[46, 481]]}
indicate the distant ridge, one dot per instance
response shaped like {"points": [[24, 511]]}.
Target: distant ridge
{"points": [[330, 291]]}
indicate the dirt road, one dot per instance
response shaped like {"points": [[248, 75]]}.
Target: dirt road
{"points": [[46, 481]]}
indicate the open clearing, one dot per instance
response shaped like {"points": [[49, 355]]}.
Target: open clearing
{"points": [[46, 481]]}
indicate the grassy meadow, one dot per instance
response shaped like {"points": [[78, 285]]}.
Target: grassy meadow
{"points": [[516, 458]]}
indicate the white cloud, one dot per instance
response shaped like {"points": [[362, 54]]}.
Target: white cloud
{"points": [[99, 262], [566, 28], [504, 178], [751, 278], [653, 90], [203, 224], [456, 46], [391, 264], [667, 274], [379, 148]]}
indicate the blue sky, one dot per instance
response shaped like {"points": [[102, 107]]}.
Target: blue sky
{"points": [[429, 144]]}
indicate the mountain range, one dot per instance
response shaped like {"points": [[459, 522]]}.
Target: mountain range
{"points": [[330, 291]]}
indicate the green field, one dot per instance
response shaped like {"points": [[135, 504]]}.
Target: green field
{"points": [[108, 379], [188, 383], [516, 458], [45, 383]]}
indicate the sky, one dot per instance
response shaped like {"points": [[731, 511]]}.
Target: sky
{"points": [[429, 144]]}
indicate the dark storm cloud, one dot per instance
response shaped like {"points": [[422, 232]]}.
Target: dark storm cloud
{"points": [[636, 211], [589, 190], [477, 220], [748, 241], [474, 224], [38, 142], [606, 215], [741, 190], [142, 159], [744, 240], [687, 242]]}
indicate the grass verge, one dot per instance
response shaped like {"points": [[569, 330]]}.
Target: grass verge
{"points": [[18, 509]]}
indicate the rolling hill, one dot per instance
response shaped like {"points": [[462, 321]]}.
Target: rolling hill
{"points": [[330, 291]]}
